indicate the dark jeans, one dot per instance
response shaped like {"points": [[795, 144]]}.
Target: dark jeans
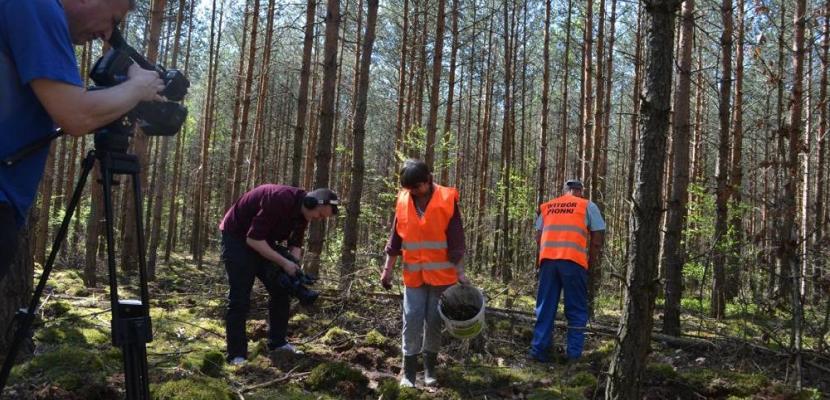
{"points": [[243, 264], [8, 238], [556, 276]]}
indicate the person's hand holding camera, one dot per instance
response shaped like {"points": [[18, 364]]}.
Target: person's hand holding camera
{"points": [[146, 82]]}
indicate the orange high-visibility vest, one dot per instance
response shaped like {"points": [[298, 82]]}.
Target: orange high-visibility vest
{"points": [[424, 239], [564, 232]]}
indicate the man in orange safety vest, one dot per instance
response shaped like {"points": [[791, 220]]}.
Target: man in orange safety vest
{"points": [[570, 233]]}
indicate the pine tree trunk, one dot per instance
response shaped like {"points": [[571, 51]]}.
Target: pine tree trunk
{"points": [[722, 192], [350, 230], [41, 226], [437, 68], [819, 221], [323, 153], [237, 107], [506, 139], [602, 168], [239, 163], [483, 153], [207, 127], [734, 276], [402, 74], [543, 132], [674, 254], [566, 78], [629, 359], [588, 92], [161, 184], [447, 129], [16, 286], [264, 75], [302, 97], [789, 251]]}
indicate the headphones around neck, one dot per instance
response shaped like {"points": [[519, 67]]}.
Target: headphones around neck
{"points": [[311, 202]]}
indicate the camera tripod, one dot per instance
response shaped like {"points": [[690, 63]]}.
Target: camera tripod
{"points": [[131, 326]]}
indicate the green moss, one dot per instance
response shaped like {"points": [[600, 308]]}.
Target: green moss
{"points": [[60, 334], [327, 376], [300, 318], [477, 378], [502, 325], [336, 335], [809, 394], [582, 379], [56, 309], [411, 394], [726, 382], [526, 333], [288, 392], [388, 389], [70, 367], [660, 372], [599, 353], [194, 388], [557, 393], [79, 291], [544, 394], [375, 338], [212, 363], [260, 348], [351, 316], [66, 281]]}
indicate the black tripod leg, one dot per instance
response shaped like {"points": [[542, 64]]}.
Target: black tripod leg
{"points": [[136, 376], [26, 318], [106, 176]]}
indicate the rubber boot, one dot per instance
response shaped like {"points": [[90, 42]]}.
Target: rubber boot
{"points": [[410, 370], [430, 361]]}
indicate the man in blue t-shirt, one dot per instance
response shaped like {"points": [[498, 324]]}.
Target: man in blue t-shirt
{"points": [[41, 88]]}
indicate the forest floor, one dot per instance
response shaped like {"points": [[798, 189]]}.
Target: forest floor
{"points": [[352, 351]]}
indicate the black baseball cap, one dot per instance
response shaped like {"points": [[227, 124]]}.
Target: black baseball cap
{"points": [[326, 196], [573, 184]]}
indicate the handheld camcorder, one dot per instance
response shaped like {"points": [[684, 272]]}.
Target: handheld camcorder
{"points": [[296, 285], [155, 118]]}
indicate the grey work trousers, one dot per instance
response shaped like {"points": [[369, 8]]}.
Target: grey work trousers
{"points": [[421, 322]]}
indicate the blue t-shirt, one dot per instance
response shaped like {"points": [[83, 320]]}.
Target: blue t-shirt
{"points": [[34, 44]]}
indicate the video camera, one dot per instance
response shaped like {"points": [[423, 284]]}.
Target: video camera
{"points": [[296, 285], [155, 118]]}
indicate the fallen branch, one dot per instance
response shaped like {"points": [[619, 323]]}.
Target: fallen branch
{"points": [[288, 375], [684, 342]]}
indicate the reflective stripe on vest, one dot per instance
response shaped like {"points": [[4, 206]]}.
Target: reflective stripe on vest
{"points": [[565, 244], [564, 233], [424, 238], [423, 245], [427, 266]]}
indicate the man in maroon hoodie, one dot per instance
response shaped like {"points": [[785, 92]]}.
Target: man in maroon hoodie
{"points": [[265, 216]]}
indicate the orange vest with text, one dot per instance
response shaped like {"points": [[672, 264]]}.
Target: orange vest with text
{"points": [[424, 239], [564, 232]]}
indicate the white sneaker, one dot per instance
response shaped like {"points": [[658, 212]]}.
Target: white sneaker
{"points": [[238, 361], [289, 348], [430, 381], [406, 383]]}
